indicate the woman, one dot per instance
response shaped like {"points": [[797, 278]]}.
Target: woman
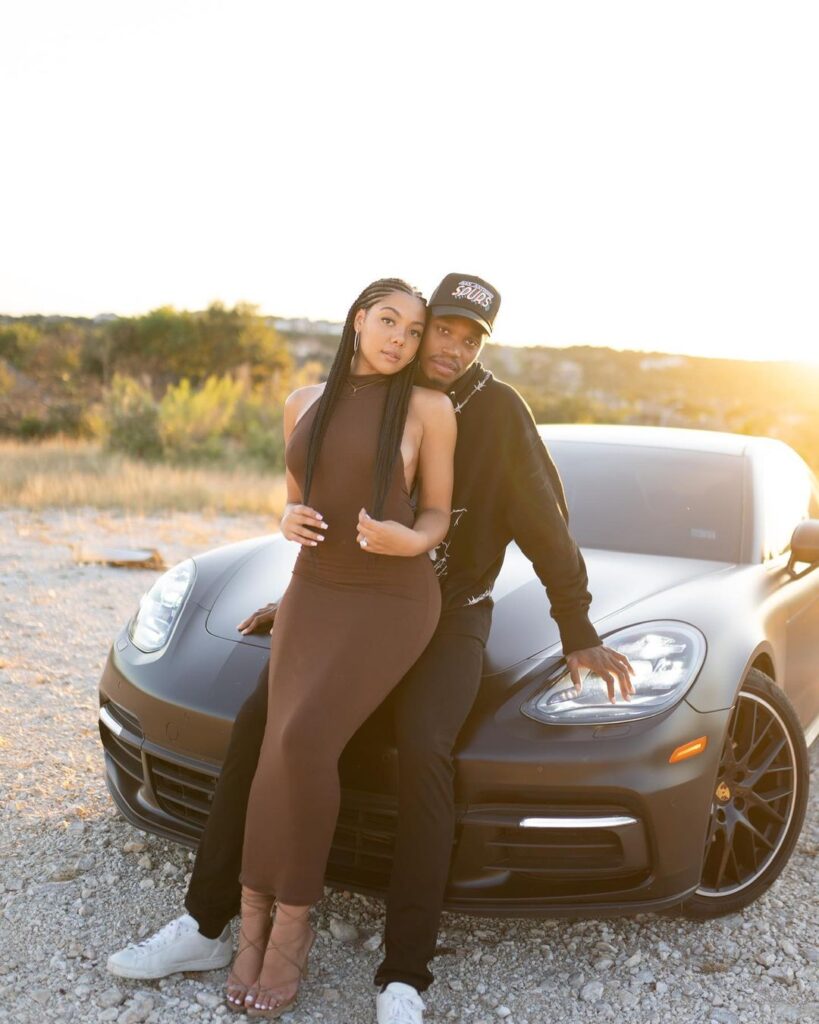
{"points": [[361, 606]]}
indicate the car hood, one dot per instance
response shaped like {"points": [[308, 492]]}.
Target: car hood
{"points": [[521, 625]]}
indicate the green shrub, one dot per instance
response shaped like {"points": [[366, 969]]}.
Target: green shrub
{"points": [[130, 418], [257, 427], [193, 423]]}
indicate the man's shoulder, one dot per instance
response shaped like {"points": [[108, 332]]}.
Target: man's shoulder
{"points": [[510, 403], [506, 392]]}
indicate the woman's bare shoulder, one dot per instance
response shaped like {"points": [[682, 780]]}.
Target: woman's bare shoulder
{"points": [[302, 397], [431, 404]]}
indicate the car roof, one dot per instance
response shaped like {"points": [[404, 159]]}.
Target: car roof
{"points": [[719, 441]]}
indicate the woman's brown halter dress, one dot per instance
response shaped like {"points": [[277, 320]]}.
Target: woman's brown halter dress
{"points": [[348, 627]]}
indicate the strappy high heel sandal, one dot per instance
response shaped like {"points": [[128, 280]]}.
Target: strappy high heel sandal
{"points": [[270, 994], [256, 905]]}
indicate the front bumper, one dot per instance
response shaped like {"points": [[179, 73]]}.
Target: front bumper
{"points": [[575, 821]]}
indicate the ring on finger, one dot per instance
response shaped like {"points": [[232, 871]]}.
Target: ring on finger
{"points": [[363, 542]]}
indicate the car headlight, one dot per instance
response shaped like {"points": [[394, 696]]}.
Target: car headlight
{"points": [[666, 657], [160, 606]]}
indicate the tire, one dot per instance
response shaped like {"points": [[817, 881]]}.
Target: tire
{"points": [[759, 803]]}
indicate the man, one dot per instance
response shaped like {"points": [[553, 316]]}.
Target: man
{"points": [[506, 488]]}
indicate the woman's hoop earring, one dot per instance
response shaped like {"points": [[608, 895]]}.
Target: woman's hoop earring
{"points": [[355, 343]]}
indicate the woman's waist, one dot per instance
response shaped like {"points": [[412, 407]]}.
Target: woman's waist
{"points": [[349, 565]]}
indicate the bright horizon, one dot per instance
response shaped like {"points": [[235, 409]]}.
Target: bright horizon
{"points": [[633, 176]]}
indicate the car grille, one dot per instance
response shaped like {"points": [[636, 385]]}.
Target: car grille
{"points": [[492, 852], [123, 745], [554, 851], [557, 859], [365, 833], [181, 791]]}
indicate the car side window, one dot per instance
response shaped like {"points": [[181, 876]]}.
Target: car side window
{"points": [[790, 497]]}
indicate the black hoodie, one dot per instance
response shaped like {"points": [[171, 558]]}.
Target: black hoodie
{"points": [[507, 488]]}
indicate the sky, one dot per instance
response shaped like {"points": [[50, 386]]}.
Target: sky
{"points": [[635, 174]]}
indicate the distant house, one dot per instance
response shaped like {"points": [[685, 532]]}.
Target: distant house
{"points": [[301, 325], [661, 362]]}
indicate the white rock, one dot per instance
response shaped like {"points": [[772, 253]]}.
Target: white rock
{"points": [[723, 1016], [137, 1013], [208, 999], [373, 943], [634, 959], [591, 991], [343, 931], [111, 997], [503, 1011]]}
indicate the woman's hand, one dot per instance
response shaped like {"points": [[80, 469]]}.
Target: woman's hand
{"points": [[386, 537], [302, 524]]}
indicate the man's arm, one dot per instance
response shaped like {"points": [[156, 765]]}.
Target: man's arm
{"points": [[537, 518]]}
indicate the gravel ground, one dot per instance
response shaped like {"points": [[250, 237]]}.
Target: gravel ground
{"points": [[77, 882]]}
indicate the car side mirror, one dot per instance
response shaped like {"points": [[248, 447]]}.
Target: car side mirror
{"points": [[805, 545]]}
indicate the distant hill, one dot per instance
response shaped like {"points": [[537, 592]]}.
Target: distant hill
{"points": [[52, 368]]}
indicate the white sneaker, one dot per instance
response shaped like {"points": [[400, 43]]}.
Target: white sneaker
{"points": [[179, 946], [399, 1004]]}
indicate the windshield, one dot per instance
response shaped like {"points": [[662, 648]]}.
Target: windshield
{"points": [[653, 501]]}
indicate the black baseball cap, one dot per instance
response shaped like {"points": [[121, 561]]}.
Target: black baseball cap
{"points": [[466, 295]]}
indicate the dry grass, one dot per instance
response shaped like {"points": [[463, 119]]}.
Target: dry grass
{"points": [[66, 473]]}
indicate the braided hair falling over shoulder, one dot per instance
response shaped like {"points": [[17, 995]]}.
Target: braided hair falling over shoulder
{"points": [[399, 389]]}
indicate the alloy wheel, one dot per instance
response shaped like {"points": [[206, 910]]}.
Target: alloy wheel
{"points": [[754, 798]]}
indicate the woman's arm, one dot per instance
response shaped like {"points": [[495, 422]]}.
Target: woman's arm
{"points": [[436, 459], [435, 477], [299, 522]]}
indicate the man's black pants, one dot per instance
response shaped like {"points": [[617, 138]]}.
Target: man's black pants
{"points": [[429, 706]]}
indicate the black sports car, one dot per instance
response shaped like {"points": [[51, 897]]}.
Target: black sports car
{"points": [[701, 549]]}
